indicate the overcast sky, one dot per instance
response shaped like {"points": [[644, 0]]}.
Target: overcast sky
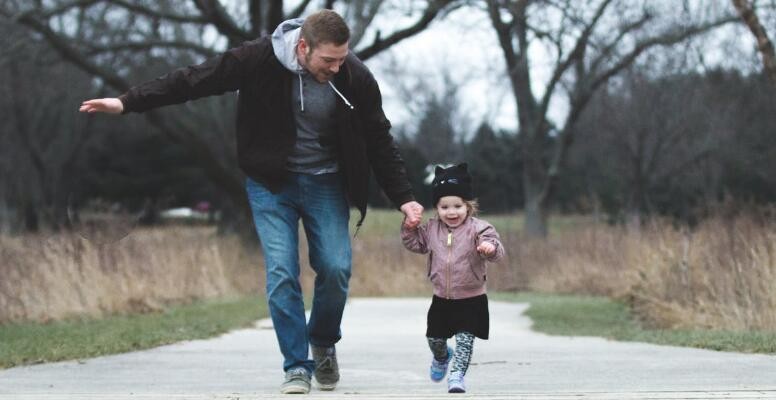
{"points": [[462, 45], [465, 45]]}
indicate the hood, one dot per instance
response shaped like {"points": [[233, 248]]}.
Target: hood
{"points": [[284, 41]]}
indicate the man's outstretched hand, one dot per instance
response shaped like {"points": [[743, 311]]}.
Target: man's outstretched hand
{"points": [[413, 213], [110, 106]]}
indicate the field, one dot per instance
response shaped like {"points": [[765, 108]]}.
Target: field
{"points": [[717, 275]]}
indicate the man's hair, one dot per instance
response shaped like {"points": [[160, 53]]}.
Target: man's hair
{"points": [[325, 26]]}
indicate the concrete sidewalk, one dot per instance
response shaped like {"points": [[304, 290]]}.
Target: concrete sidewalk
{"points": [[383, 355]]}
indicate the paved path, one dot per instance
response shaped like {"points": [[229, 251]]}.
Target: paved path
{"points": [[383, 355]]}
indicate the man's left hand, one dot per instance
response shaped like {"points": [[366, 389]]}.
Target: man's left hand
{"points": [[413, 213]]}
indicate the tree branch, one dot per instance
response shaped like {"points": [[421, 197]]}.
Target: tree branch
{"points": [[503, 32], [702, 154], [257, 21], [433, 9], [607, 50], [297, 12], [274, 14], [576, 56], [179, 134], [63, 8], [584, 91], [667, 39], [149, 44], [361, 14], [140, 9], [764, 44], [64, 48], [214, 13]]}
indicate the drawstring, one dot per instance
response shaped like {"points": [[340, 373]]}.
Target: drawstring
{"points": [[340, 95], [301, 92]]}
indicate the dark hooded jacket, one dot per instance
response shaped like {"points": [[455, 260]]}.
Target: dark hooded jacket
{"points": [[266, 130]]}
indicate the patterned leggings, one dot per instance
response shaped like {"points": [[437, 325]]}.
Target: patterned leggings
{"points": [[464, 345]]}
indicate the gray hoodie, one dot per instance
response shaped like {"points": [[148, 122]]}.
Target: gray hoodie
{"points": [[314, 151]]}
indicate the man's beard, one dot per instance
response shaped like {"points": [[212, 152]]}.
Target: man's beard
{"points": [[321, 75]]}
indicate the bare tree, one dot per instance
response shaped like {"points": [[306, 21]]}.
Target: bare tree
{"points": [[747, 9], [588, 42], [41, 137], [115, 41], [650, 134]]}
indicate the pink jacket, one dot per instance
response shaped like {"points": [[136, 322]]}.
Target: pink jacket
{"points": [[455, 268]]}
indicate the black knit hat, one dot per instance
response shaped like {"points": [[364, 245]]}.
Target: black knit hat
{"points": [[452, 181]]}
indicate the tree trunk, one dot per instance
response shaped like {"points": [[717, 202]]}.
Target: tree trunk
{"points": [[31, 220], [535, 224], [535, 177], [534, 182]]}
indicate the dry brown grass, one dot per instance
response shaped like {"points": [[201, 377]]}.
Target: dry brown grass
{"points": [[719, 275], [65, 275]]}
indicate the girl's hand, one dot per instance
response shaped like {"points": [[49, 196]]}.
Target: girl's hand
{"points": [[486, 248]]}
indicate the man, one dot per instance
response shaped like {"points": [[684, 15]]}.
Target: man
{"points": [[310, 124]]}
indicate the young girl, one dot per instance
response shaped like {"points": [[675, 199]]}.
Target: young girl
{"points": [[457, 244]]}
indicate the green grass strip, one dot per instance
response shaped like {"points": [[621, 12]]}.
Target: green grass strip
{"points": [[568, 315], [22, 344]]}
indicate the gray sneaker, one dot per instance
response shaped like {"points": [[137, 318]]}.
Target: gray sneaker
{"points": [[326, 368], [297, 381]]}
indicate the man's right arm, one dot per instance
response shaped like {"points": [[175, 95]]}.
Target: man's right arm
{"points": [[215, 76]]}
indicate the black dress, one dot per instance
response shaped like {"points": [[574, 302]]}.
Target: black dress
{"points": [[448, 317]]}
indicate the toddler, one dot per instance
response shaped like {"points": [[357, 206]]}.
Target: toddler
{"points": [[458, 245]]}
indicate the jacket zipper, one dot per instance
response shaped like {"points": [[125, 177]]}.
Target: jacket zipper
{"points": [[449, 256]]}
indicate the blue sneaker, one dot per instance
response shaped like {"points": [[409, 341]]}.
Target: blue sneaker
{"points": [[439, 368], [455, 383]]}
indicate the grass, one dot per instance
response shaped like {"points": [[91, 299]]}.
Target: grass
{"points": [[681, 282], [569, 315], [58, 276], [33, 343]]}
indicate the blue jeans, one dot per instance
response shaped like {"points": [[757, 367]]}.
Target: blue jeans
{"points": [[320, 201]]}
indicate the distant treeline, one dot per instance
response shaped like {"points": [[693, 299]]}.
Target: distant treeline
{"points": [[666, 144], [675, 145]]}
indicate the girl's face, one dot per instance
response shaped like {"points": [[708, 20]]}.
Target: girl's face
{"points": [[451, 210]]}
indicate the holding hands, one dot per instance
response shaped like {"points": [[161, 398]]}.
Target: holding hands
{"points": [[413, 214]]}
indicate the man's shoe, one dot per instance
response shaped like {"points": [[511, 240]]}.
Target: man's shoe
{"points": [[326, 368], [439, 368], [455, 383], [297, 381]]}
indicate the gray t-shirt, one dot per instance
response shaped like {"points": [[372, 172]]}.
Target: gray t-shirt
{"points": [[314, 108]]}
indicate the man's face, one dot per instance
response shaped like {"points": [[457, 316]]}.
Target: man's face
{"points": [[324, 60], [452, 210]]}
